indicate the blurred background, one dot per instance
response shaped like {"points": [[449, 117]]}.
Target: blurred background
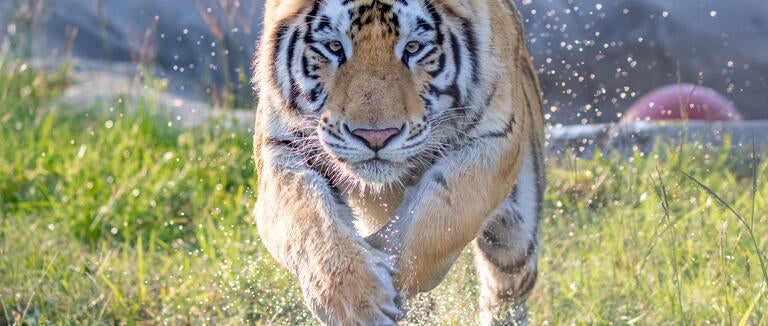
{"points": [[595, 58]]}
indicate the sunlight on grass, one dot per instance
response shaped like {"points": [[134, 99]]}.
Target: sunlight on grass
{"points": [[109, 215]]}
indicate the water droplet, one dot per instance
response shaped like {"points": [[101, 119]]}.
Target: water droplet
{"points": [[81, 151]]}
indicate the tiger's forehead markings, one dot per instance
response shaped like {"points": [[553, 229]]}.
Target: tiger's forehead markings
{"points": [[372, 12]]}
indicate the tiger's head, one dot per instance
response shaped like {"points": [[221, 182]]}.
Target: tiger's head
{"points": [[385, 83]]}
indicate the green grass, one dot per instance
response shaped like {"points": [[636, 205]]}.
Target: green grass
{"points": [[108, 215]]}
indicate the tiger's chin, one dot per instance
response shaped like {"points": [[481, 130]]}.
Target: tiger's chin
{"points": [[377, 173]]}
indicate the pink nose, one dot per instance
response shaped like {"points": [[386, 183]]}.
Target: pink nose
{"points": [[376, 139]]}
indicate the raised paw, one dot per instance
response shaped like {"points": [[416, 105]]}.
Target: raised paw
{"points": [[354, 291]]}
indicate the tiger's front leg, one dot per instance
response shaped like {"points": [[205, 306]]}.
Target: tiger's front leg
{"points": [[308, 230], [446, 210]]}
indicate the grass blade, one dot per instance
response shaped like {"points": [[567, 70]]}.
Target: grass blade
{"points": [[741, 219]]}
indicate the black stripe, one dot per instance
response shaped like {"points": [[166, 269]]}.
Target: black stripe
{"points": [[282, 29], [435, 18], [281, 142], [508, 129], [309, 20], [339, 146], [440, 66], [315, 93], [452, 91], [308, 69], [313, 13], [412, 137], [512, 267], [427, 55], [490, 239], [318, 51], [439, 178], [456, 56], [422, 24], [469, 37], [321, 105], [536, 148], [513, 193], [333, 134], [411, 146], [474, 120], [294, 87], [428, 105], [526, 284], [325, 23]]}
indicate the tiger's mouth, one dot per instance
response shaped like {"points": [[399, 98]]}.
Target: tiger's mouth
{"points": [[373, 155]]}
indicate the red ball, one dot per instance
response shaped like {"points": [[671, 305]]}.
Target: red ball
{"points": [[679, 101]]}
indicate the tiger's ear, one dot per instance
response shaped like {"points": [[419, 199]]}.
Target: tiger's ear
{"points": [[457, 7], [276, 10]]}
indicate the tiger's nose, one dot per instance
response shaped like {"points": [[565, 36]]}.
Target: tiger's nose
{"points": [[376, 139]]}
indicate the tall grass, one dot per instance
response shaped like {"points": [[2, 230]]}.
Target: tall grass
{"points": [[230, 21], [108, 215], [636, 241]]}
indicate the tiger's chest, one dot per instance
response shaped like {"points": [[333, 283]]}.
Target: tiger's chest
{"points": [[373, 210]]}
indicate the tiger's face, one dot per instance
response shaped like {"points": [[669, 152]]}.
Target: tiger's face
{"points": [[381, 80]]}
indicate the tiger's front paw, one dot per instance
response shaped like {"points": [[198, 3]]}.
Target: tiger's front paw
{"points": [[355, 291]]}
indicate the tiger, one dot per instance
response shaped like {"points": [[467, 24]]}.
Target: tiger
{"points": [[389, 135]]}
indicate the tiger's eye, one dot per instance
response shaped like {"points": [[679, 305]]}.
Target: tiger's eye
{"points": [[334, 46], [412, 47]]}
